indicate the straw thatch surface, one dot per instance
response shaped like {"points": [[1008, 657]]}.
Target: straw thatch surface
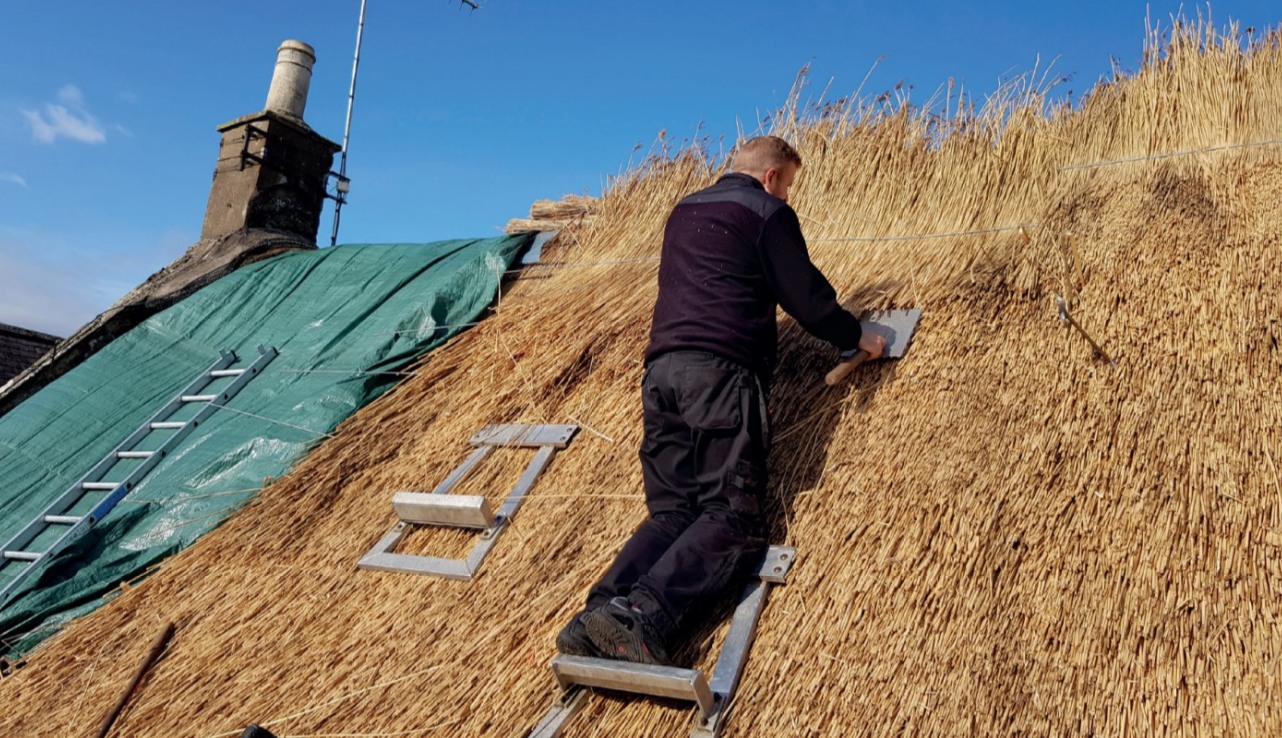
{"points": [[999, 535]]}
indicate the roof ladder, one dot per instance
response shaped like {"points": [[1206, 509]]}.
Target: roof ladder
{"points": [[712, 697], [441, 508], [84, 504]]}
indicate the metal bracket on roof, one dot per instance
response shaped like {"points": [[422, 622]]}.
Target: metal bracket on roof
{"points": [[252, 134], [712, 697], [441, 508], [342, 186]]}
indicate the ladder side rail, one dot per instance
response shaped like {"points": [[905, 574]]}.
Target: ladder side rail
{"points": [[105, 505], [26, 535], [743, 630], [554, 720], [510, 506], [374, 558], [463, 470], [73, 494], [210, 408], [70, 536], [265, 356], [523, 485], [97, 471], [731, 660]]}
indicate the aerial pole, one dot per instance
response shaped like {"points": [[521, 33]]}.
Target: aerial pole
{"points": [[343, 185]]}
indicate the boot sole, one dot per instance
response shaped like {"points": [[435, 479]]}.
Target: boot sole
{"points": [[616, 641], [576, 642]]}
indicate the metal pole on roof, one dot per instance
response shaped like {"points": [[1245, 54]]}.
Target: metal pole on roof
{"points": [[342, 185]]}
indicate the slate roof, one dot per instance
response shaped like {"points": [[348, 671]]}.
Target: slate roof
{"points": [[19, 349]]}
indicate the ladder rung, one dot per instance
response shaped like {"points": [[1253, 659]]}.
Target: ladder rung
{"points": [[63, 519], [135, 454], [465, 511], [168, 424], [198, 398], [658, 681], [22, 555], [100, 485], [227, 372]]}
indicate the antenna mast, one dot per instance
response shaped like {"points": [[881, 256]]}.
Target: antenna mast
{"points": [[343, 185]]}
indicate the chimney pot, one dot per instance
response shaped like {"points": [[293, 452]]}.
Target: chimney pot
{"points": [[291, 79]]}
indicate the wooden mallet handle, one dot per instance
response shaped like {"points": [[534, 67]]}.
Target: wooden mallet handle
{"points": [[157, 647], [847, 366]]}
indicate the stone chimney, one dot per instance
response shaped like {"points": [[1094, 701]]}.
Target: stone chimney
{"points": [[272, 167], [269, 186]]}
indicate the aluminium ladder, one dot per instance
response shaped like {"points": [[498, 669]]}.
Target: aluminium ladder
{"points": [[441, 508], [61, 524], [713, 696]]}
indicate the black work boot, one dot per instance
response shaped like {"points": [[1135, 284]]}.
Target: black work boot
{"points": [[621, 632], [573, 639]]}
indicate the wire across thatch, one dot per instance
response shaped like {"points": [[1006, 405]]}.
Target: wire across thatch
{"points": [[1000, 534]]}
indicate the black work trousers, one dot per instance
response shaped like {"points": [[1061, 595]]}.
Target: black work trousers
{"points": [[703, 460]]}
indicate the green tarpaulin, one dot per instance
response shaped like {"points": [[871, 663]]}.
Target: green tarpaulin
{"points": [[342, 319]]}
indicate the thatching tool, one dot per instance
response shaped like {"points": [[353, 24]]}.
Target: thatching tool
{"points": [[153, 653], [1062, 312], [896, 326]]}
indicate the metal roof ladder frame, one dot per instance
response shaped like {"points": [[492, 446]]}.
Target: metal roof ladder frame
{"points": [[441, 508], [713, 697], [16, 553]]}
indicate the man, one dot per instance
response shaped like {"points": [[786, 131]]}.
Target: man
{"points": [[731, 254]]}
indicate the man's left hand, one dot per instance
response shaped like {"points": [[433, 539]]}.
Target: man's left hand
{"points": [[874, 344]]}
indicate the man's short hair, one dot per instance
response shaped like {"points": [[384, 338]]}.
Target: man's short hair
{"points": [[756, 155]]}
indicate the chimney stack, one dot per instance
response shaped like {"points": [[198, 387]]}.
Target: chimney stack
{"points": [[272, 167]]}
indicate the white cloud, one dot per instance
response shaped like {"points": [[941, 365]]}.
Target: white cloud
{"points": [[69, 119], [71, 95], [13, 178]]}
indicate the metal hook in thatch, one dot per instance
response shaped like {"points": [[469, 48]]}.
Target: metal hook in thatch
{"points": [[1062, 312]]}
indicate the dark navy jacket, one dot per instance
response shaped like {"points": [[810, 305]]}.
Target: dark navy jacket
{"points": [[731, 254]]}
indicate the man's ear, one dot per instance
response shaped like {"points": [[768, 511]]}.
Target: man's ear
{"points": [[770, 176]]}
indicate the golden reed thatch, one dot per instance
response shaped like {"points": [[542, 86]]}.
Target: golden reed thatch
{"points": [[999, 535], [553, 215]]}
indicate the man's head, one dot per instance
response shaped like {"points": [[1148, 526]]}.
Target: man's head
{"points": [[771, 160]]}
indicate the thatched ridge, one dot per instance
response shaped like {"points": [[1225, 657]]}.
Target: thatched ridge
{"points": [[998, 535]]}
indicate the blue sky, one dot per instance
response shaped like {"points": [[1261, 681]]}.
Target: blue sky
{"points": [[463, 118]]}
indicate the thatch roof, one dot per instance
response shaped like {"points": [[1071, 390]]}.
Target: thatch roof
{"points": [[553, 215], [1000, 534]]}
